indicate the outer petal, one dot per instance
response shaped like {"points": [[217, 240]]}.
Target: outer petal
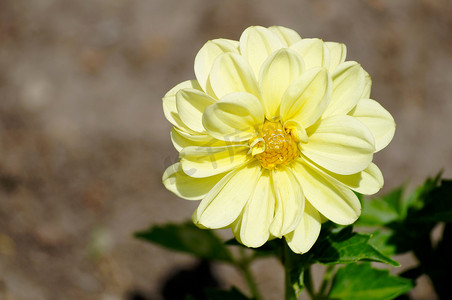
{"points": [[182, 139], [338, 52], [341, 144], [234, 118], [188, 187], [289, 202], [190, 105], [367, 86], [206, 56], [208, 161], [367, 182], [279, 70], [377, 119], [306, 233], [314, 52], [307, 97], [286, 35], [252, 229], [336, 202], [348, 86], [169, 103], [256, 44], [231, 73], [224, 203]]}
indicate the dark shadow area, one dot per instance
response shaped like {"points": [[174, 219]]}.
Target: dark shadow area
{"points": [[192, 281]]}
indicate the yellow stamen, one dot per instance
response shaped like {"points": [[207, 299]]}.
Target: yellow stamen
{"points": [[280, 147]]}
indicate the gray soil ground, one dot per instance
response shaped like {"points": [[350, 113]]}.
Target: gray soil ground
{"points": [[83, 140]]}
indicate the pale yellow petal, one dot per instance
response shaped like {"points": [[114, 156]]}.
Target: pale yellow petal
{"points": [[377, 119], [188, 187], [289, 202], [286, 35], [348, 86], [297, 131], [338, 52], [253, 226], [306, 233], [314, 52], [340, 144], [190, 105], [279, 70], [256, 44], [169, 103], [367, 86], [208, 161], [231, 73], [335, 201], [224, 203], [367, 182], [236, 117], [307, 97], [182, 139], [206, 56]]}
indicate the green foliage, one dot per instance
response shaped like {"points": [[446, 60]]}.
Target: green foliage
{"points": [[361, 281], [189, 239], [346, 246], [409, 229]]}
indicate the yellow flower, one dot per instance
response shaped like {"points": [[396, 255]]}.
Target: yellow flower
{"points": [[274, 135]]}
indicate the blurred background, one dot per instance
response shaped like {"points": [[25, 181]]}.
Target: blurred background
{"points": [[83, 139]]}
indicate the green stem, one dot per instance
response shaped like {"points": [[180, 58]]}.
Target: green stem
{"points": [[244, 265], [289, 292]]}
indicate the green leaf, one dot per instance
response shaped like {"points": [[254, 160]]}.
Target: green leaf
{"points": [[361, 281], [383, 210], [232, 294], [438, 206], [382, 240], [346, 246], [189, 239]]}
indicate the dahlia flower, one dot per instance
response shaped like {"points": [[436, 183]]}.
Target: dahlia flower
{"points": [[274, 135]]}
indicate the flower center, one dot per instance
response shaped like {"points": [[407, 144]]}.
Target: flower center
{"points": [[279, 147]]}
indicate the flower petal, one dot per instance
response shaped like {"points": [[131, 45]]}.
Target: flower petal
{"points": [[231, 73], [377, 119], [169, 103], [279, 70], [234, 118], [307, 231], [208, 161], [314, 52], [188, 187], [338, 52], [286, 35], [348, 86], [182, 139], [297, 130], [289, 202], [367, 182], [190, 105], [252, 228], [367, 86], [224, 203], [307, 97], [206, 56], [334, 201], [341, 144], [256, 44]]}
